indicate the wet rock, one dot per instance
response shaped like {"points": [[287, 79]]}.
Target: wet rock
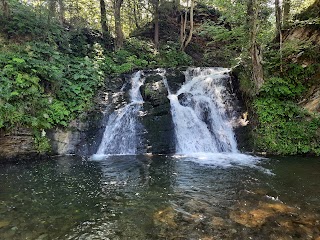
{"points": [[155, 93], [63, 142], [199, 206], [17, 144], [157, 119], [175, 79], [4, 224], [277, 207], [43, 237], [218, 222], [280, 237], [207, 238], [81, 137], [253, 218], [197, 217], [287, 224], [257, 216], [185, 99], [165, 216]]}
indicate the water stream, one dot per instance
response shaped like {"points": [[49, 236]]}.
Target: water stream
{"points": [[200, 115], [120, 135]]}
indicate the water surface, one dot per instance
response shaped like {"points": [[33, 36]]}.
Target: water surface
{"points": [[160, 197]]}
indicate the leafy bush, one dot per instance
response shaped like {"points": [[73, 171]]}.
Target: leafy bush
{"points": [[171, 56], [142, 49], [280, 88], [42, 88], [284, 127]]}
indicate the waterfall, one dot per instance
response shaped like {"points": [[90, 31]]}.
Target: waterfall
{"points": [[200, 112], [120, 135]]}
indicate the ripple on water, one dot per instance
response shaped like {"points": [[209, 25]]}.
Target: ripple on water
{"points": [[160, 197]]}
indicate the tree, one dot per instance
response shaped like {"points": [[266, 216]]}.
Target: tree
{"points": [[278, 14], [255, 49], [52, 9], [103, 18], [61, 11], [118, 27], [5, 8], [155, 4], [136, 14], [286, 12], [184, 37]]}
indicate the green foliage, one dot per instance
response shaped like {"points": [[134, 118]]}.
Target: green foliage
{"points": [[228, 43], [26, 23], [141, 48], [171, 56], [230, 33], [138, 54], [293, 53], [312, 12], [280, 88], [284, 128], [41, 88], [41, 142]]}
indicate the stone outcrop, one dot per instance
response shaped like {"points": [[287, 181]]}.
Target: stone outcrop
{"points": [[306, 33], [18, 144], [158, 120], [309, 35]]}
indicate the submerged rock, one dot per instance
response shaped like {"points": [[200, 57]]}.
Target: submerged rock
{"points": [[4, 224], [165, 216], [256, 217]]}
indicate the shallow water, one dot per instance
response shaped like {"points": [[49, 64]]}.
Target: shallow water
{"points": [[160, 197]]}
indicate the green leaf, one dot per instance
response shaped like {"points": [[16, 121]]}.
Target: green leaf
{"points": [[15, 93], [18, 60]]}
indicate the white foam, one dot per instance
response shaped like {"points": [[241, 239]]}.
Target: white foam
{"points": [[224, 160]]}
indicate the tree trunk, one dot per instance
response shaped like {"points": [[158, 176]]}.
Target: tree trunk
{"points": [[255, 51], [278, 27], [103, 18], [156, 24], [135, 14], [62, 11], [286, 13], [118, 27], [176, 5], [183, 34], [184, 38], [52, 10], [5, 8], [191, 26], [278, 15]]}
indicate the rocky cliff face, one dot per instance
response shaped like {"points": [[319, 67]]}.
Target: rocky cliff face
{"points": [[307, 35], [17, 145], [158, 120]]}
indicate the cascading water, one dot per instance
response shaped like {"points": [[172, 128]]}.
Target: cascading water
{"points": [[120, 135], [200, 115], [201, 112]]}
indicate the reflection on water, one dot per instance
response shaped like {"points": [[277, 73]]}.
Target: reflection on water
{"points": [[159, 197]]}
